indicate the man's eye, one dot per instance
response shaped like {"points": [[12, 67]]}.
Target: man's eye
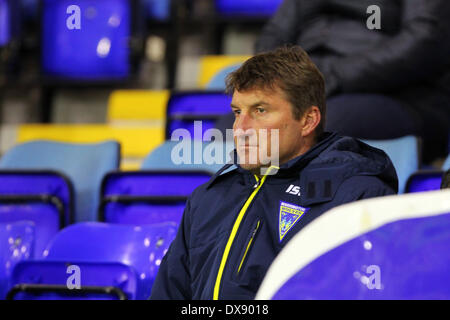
{"points": [[236, 112], [261, 110]]}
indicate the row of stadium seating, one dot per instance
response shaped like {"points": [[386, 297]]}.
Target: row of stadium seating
{"points": [[154, 9], [160, 9], [107, 44], [113, 260], [52, 185], [140, 120], [81, 173]]}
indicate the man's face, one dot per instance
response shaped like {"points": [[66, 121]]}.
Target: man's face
{"points": [[259, 109]]}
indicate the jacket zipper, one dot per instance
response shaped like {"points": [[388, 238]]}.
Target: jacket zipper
{"points": [[249, 245], [234, 231]]}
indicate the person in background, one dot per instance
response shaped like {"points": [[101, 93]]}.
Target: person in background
{"points": [[380, 83], [446, 180]]}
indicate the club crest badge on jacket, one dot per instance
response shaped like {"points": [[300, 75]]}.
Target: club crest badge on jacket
{"points": [[290, 214]]}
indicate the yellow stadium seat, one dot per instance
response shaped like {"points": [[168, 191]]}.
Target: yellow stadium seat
{"points": [[137, 105], [130, 164], [210, 66], [136, 141]]}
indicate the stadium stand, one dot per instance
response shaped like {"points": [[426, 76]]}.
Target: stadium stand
{"points": [[125, 257], [152, 67], [16, 244], [385, 248], [85, 165], [42, 197]]}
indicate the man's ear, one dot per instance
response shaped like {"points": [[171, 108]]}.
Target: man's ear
{"points": [[310, 120]]}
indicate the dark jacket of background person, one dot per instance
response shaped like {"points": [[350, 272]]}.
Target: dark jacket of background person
{"points": [[335, 171], [407, 59], [445, 180]]}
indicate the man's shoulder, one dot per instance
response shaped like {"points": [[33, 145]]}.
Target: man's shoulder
{"points": [[363, 186], [221, 178]]}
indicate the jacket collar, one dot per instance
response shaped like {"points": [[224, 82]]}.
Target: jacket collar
{"points": [[286, 169]]}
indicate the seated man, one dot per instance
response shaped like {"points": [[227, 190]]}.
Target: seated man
{"points": [[235, 225]]}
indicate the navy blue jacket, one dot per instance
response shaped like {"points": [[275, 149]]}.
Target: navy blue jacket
{"points": [[234, 226]]}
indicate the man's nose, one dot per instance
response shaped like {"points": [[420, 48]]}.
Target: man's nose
{"points": [[243, 122], [244, 131]]}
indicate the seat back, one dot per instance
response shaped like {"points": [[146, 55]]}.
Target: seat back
{"points": [[29, 9], [215, 68], [384, 248], [84, 164], [424, 181], [184, 108], [89, 41], [16, 244], [218, 82], [5, 22], [140, 247], [404, 154], [136, 141], [446, 164], [147, 197], [137, 106], [43, 197], [189, 155], [158, 9], [56, 280], [247, 8]]}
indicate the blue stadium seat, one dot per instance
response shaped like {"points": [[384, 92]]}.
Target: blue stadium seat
{"points": [[446, 165], [16, 244], [158, 9], [98, 50], [184, 108], [47, 280], [104, 246], [30, 9], [84, 164], [5, 22], [43, 197], [247, 7], [147, 197], [384, 248], [424, 181], [404, 153], [218, 81], [188, 155]]}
